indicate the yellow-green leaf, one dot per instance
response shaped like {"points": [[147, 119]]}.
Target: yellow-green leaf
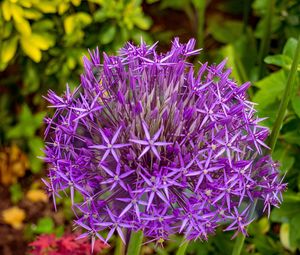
{"points": [[23, 27], [80, 20], [31, 50], [46, 6], [63, 7], [76, 2], [37, 195], [69, 24], [17, 12], [14, 216], [6, 10], [285, 237], [26, 3], [40, 41], [32, 14], [9, 49]]}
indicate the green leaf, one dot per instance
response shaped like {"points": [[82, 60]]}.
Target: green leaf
{"points": [[296, 105], [225, 32], [275, 24], [36, 145], [292, 137], [8, 49], [100, 15], [286, 160], [77, 20], [182, 248], [27, 124], [174, 4], [265, 245], [32, 14], [31, 50], [233, 62], [31, 79], [295, 231], [42, 41], [271, 88], [44, 226], [59, 231], [107, 34], [279, 60], [135, 243], [287, 211], [23, 27], [47, 6], [142, 22], [285, 237], [16, 193], [290, 47], [43, 25]]}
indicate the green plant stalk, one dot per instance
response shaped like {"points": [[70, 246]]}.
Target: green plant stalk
{"points": [[285, 99], [120, 248], [135, 243], [238, 245], [275, 131], [200, 6], [246, 13], [182, 248], [266, 39]]}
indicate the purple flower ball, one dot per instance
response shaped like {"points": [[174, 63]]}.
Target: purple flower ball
{"points": [[153, 143]]}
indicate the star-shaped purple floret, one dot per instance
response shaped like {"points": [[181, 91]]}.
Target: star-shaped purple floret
{"points": [[110, 146], [150, 142]]}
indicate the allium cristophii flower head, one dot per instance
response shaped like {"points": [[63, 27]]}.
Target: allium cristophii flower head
{"points": [[152, 144]]}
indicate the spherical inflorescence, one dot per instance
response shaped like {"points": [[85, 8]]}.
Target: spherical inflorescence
{"points": [[152, 144]]}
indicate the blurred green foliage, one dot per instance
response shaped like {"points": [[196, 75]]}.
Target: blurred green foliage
{"points": [[42, 43], [41, 47]]}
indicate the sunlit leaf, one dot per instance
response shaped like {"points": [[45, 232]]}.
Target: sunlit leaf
{"points": [[79, 19], [142, 22], [31, 50], [14, 216], [9, 48], [76, 2], [36, 195], [40, 41], [6, 10], [46, 6], [23, 27], [285, 237], [32, 14]]}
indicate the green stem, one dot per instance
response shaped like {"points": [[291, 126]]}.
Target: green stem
{"points": [[182, 248], [246, 14], [275, 131], [135, 243], [285, 99], [120, 248], [266, 39], [238, 245], [200, 6]]}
